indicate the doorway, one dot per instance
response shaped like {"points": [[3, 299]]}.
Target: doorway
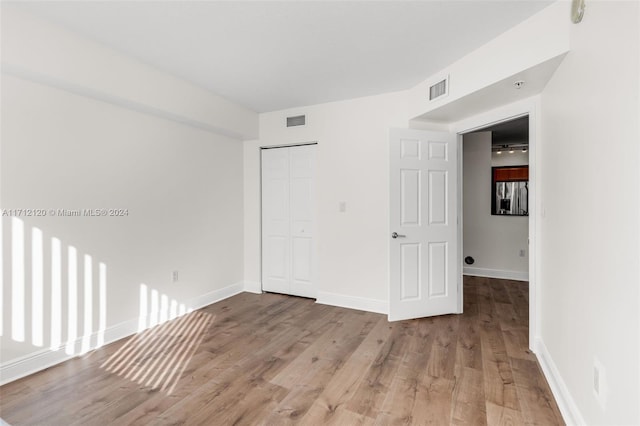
{"points": [[288, 219], [495, 170], [528, 107]]}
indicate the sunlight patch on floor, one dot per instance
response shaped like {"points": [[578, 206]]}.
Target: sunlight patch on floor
{"points": [[158, 356]]}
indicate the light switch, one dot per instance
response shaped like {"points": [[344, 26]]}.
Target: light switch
{"points": [[343, 206]]}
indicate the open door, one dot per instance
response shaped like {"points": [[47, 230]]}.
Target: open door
{"points": [[424, 273]]}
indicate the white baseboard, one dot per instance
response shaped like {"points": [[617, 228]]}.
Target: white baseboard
{"points": [[20, 367], [496, 273], [253, 287], [216, 295], [352, 302], [566, 404]]}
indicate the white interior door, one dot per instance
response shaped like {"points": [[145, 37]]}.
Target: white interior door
{"points": [[288, 225], [424, 275]]}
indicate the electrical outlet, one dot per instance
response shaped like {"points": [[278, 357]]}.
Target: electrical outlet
{"points": [[599, 383], [522, 252], [174, 276]]}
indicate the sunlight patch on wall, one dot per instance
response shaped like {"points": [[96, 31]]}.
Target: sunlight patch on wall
{"points": [[72, 301], [56, 294], [88, 304], [17, 279], [102, 307], [37, 288], [156, 308], [52, 298], [164, 308], [143, 309]]}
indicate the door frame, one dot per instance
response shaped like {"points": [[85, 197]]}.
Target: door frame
{"points": [[527, 107], [315, 224]]}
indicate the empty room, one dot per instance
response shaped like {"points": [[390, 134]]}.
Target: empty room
{"points": [[320, 212]]}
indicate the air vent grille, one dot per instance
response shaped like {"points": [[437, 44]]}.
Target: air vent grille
{"points": [[298, 120], [439, 89]]}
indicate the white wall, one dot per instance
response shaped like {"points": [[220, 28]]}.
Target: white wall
{"points": [[590, 247], [45, 52], [587, 150], [493, 241], [587, 269], [65, 149], [540, 38], [353, 166]]}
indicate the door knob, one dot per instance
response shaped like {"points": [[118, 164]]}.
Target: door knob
{"points": [[396, 235]]}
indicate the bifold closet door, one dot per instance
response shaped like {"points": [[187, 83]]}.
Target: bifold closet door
{"points": [[288, 226]]}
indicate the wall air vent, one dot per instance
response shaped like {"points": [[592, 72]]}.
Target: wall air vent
{"points": [[439, 89], [298, 120]]}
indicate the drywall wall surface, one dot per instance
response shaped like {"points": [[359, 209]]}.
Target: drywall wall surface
{"points": [[494, 242], [252, 215], [41, 51], [352, 168], [590, 213], [173, 196], [540, 38]]}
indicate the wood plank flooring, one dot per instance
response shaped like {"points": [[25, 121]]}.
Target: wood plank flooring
{"points": [[277, 360]]}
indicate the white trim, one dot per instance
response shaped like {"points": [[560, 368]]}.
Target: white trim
{"points": [[496, 273], [568, 407], [353, 302], [23, 366], [216, 296], [460, 218], [530, 107], [253, 287], [29, 364], [495, 116]]}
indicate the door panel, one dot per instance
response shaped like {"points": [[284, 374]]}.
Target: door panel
{"points": [[275, 225], [410, 278], [301, 204], [301, 283], [438, 151], [302, 219], [302, 259], [276, 268], [438, 197], [437, 269], [288, 196], [423, 256], [410, 148], [410, 197]]}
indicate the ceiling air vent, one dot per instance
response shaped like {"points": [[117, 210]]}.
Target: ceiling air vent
{"points": [[439, 89], [298, 120]]}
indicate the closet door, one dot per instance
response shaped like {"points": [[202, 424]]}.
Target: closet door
{"points": [[288, 188]]}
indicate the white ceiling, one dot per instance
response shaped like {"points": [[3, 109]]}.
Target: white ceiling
{"points": [[273, 55]]}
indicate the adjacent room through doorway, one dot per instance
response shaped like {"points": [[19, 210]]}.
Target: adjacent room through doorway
{"points": [[496, 201]]}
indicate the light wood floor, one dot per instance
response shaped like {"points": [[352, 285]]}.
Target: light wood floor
{"points": [[273, 359]]}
